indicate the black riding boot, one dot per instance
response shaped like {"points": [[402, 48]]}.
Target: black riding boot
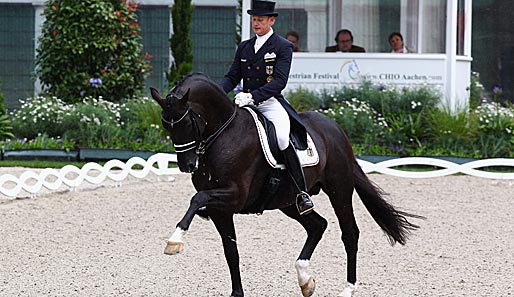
{"points": [[293, 166]]}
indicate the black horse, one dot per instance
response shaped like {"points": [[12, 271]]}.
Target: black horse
{"points": [[217, 142]]}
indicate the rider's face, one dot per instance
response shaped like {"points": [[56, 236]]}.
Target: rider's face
{"points": [[262, 24]]}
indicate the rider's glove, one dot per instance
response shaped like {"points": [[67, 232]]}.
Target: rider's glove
{"points": [[243, 99]]}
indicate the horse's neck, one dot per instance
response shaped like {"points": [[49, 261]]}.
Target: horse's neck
{"points": [[216, 111]]}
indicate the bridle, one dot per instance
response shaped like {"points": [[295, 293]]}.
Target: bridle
{"points": [[181, 148], [201, 145]]}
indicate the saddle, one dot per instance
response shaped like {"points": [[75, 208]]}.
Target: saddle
{"points": [[307, 152]]}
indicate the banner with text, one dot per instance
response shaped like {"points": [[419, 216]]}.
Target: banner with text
{"points": [[326, 70]]}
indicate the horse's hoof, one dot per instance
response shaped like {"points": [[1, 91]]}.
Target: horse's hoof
{"points": [[308, 287], [173, 248], [348, 291]]}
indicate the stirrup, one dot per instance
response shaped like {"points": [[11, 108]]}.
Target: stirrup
{"points": [[307, 204]]}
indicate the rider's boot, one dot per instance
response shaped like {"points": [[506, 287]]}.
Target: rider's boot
{"points": [[293, 166]]}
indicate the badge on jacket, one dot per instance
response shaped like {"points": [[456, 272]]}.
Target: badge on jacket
{"points": [[269, 72], [269, 57]]}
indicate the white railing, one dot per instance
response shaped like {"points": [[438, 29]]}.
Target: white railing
{"points": [[71, 176], [94, 173], [447, 167]]}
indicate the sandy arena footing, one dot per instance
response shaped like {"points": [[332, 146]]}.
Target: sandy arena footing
{"points": [[109, 241]]}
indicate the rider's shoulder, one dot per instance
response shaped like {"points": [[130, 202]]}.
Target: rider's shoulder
{"points": [[245, 42]]}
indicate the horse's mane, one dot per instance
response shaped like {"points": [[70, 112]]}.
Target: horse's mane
{"points": [[202, 77]]}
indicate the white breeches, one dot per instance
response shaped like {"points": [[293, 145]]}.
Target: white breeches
{"points": [[275, 112]]}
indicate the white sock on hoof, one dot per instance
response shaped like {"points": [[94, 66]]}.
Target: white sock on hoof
{"points": [[348, 291], [177, 235], [301, 268]]}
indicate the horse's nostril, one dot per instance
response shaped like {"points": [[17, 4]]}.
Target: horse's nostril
{"points": [[192, 167]]}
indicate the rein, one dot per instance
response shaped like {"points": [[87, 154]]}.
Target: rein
{"points": [[205, 144]]}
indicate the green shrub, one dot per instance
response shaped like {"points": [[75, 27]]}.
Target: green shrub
{"points": [[5, 124], [92, 123], [91, 48], [304, 100], [41, 141], [412, 122], [5, 127], [2, 101], [476, 91], [496, 130], [180, 42], [359, 121], [452, 132], [404, 113], [40, 115], [140, 115], [409, 123]]}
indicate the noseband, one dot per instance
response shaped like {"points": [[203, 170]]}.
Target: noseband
{"points": [[201, 145], [181, 148]]}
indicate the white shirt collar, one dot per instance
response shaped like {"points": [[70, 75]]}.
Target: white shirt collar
{"points": [[262, 39]]}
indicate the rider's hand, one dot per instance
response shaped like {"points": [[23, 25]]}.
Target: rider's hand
{"points": [[243, 99]]}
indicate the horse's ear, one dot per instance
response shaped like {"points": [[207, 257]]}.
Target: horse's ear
{"points": [[157, 97]]}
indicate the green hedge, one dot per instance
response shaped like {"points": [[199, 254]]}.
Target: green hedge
{"points": [[379, 120], [48, 122], [410, 122]]}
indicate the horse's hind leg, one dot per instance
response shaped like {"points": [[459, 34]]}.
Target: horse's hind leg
{"points": [[341, 200], [224, 223], [315, 225]]}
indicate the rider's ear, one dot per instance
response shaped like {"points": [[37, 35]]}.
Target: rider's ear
{"points": [[157, 97]]}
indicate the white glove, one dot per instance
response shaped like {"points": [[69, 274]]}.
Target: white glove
{"points": [[243, 99]]}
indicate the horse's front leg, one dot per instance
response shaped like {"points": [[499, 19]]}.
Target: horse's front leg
{"points": [[175, 243], [224, 223]]}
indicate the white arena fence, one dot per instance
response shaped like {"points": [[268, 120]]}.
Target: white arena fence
{"points": [[94, 173], [116, 170]]}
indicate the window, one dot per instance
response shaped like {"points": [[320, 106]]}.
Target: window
{"points": [[421, 22], [461, 27]]}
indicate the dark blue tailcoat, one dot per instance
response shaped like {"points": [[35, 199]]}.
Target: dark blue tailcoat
{"points": [[264, 73]]}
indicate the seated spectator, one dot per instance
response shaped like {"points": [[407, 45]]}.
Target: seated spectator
{"points": [[344, 40], [397, 45], [294, 37]]}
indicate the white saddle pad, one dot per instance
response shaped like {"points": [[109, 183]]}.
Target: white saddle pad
{"points": [[308, 157]]}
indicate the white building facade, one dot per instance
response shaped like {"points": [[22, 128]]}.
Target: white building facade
{"points": [[438, 30]]}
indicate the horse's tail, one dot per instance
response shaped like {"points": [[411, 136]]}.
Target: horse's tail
{"points": [[392, 221]]}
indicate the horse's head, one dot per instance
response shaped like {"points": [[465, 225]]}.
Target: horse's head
{"points": [[185, 126]]}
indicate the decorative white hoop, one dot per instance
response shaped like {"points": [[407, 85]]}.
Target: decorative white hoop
{"points": [[110, 170]]}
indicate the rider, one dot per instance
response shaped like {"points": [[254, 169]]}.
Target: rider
{"points": [[263, 63]]}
